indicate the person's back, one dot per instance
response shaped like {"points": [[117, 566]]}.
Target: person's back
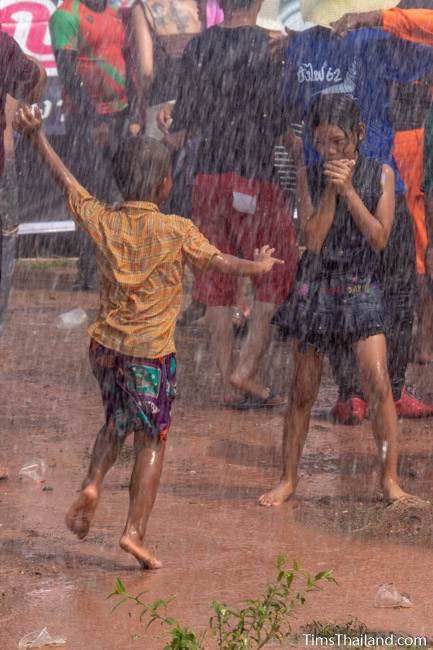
{"points": [[230, 91], [141, 257]]}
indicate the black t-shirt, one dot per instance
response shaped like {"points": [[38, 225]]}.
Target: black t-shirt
{"points": [[230, 91], [345, 249]]}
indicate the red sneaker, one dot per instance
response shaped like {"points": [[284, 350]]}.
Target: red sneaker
{"points": [[410, 406], [352, 411]]}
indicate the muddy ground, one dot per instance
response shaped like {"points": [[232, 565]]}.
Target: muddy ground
{"points": [[213, 539]]}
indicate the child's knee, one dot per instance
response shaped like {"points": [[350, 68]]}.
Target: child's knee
{"points": [[377, 387]]}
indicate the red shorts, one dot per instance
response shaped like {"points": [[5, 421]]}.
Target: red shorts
{"points": [[267, 220]]}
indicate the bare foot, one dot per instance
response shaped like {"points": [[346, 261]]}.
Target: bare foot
{"points": [[144, 557], [392, 491], [232, 396], [4, 473], [249, 386], [80, 514], [278, 495]]}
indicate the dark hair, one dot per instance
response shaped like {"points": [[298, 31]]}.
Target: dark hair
{"points": [[232, 5], [334, 109], [140, 164]]}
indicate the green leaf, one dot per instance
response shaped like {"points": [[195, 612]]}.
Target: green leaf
{"points": [[120, 587], [327, 573]]}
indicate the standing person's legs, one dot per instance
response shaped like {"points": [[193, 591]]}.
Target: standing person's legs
{"points": [[351, 407], [409, 154], [304, 387], [83, 160], [8, 234], [398, 283], [212, 212], [92, 166], [399, 288], [244, 376], [271, 223], [372, 359], [219, 319]]}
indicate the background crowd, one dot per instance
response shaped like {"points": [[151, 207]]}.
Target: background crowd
{"points": [[228, 101]]}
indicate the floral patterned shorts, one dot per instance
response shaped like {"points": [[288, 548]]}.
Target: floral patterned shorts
{"points": [[137, 393]]}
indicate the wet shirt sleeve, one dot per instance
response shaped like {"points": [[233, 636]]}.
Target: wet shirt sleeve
{"points": [[414, 25], [19, 74], [64, 30], [87, 212], [197, 250]]}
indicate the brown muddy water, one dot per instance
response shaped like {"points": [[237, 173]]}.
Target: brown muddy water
{"points": [[213, 539]]}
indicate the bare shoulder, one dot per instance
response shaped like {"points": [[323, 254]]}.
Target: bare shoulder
{"points": [[175, 17]]}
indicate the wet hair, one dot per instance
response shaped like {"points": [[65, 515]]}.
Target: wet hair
{"points": [[229, 6], [334, 109], [140, 164]]}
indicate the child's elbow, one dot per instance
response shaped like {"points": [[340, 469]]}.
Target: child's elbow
{"points": [[310, 241], [379, 243]]}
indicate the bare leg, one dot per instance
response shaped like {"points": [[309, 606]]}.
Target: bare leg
{"points": [[372, 360], [104, 454], [220, 324], [142, 494], [244, 376], [304, 386], [424, 338]]}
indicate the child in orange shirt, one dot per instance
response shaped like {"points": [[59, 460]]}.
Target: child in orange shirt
{"points": [[141, 255]]}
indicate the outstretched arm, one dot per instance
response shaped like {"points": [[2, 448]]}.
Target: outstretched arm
{"points": [[36, 93], [231, 265], [28, 121], [414, 25], [352, 21]]}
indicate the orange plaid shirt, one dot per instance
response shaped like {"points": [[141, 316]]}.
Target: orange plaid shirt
{"points": [[141, 254]]}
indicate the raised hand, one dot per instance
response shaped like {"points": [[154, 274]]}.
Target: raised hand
{"points": [[264, 257], [27, 120], [163, 118], [339, 174]]}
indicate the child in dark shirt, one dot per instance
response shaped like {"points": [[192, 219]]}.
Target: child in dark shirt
{"points": [[346, 207]]}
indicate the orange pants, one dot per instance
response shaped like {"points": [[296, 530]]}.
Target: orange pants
{"points": [[408, 154]]}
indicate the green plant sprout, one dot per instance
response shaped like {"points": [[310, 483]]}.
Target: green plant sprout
{"points": [[257, 623]]}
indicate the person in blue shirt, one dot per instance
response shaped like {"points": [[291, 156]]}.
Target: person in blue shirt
{"points": [[364, 64]]}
